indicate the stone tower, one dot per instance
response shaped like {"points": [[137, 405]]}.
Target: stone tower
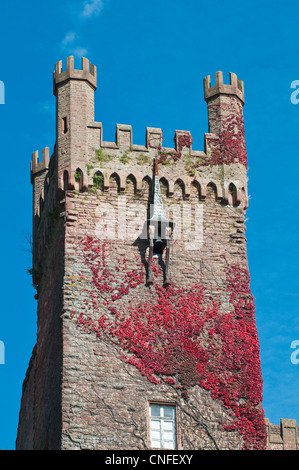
{"points": [[146, 323]]}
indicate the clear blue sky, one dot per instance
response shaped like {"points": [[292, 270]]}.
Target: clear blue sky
{"points": [[152, 58]]}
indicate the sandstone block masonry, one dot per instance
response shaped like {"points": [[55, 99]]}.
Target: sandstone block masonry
{"points": [[146, 333]]}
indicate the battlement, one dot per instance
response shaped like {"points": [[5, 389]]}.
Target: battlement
{"points": [[235, 88], [82, 154], [284, 436], [36, 165], [88, 72], [153, 140]]}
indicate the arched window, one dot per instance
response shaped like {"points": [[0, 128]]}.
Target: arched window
{"points": [[114, 183], [78, 175], [179, 190], [195, 193], [233, 194], [164, 187], [211, 192], [131, 184], [98, 180]]}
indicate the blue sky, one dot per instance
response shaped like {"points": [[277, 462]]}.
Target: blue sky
{"points": [[152, 58]]}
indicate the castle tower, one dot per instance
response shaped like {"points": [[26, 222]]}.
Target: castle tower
{"points": [[146, 323]]}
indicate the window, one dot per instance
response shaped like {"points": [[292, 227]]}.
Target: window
{"points": [[64, 125], [162, 426]]}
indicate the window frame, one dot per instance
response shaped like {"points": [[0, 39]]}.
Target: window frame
{"points": [[160, 418]]}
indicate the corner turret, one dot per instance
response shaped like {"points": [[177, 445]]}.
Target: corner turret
{"points": [[74, 90], [225, 142]]}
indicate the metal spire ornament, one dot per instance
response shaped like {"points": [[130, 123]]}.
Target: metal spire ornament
{"points": [[159, 231]]}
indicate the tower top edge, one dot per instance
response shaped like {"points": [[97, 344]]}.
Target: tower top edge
{"points": [[235, 87]]}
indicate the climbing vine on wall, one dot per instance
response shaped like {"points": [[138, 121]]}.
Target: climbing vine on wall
{"points": [[229, 146], [182, 140], [179, 335]]}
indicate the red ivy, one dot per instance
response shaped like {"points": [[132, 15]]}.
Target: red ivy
{"points": [[179, 335]]}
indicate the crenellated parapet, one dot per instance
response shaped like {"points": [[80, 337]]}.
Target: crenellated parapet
{"points": [[235, 88], [153, 140], [284, 436], [37, 165], [88, 73], [82, 155], [82, 152]]}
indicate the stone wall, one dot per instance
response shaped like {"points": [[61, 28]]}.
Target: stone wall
{"points": [[105, 401], [40, 414]]}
